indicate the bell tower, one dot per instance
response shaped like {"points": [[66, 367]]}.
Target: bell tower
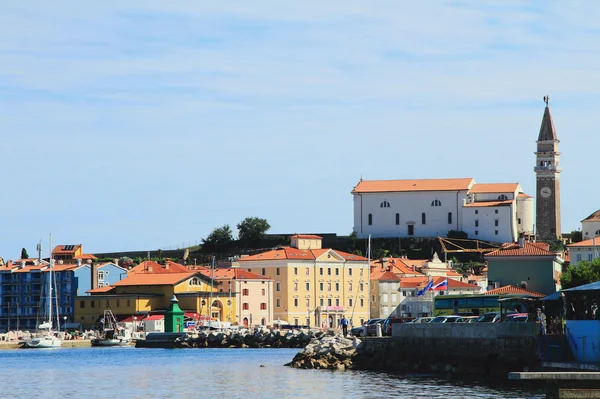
{"points": [[547, 173]]}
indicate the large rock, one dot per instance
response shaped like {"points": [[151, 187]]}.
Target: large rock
{"points": [[331, 352]]}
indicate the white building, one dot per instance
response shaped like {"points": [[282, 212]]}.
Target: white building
{"points": [[497, 212], [590, 226], [584, 250]]}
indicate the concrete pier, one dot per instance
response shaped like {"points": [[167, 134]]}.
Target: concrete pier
{"points": [[564, 384]]}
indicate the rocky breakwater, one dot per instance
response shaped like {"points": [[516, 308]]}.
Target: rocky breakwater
{"points": [[258, 338], [330, 352]]}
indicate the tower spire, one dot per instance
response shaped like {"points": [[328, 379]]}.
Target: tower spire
{"points": [[547, 131]]}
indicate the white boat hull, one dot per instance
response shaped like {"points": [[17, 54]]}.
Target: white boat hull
{"points": [[110, 342], [44, 342]]}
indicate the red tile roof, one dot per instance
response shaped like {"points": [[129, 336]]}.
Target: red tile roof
{"points": [[396, 265], [233, 273], [529, 249], [152, 267], [455, 283], [453, 273], [493, 188], [586, 243], [85, 256], [513, 289], [307, 236], [483, 204], [384, 275], [154, 279], [298, 254], [154, 317], [380, 186], [413, 282], [60, 249], [100, 290], [594, 217], [523, 195]]}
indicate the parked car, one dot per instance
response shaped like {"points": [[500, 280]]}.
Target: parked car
{"points": [[422, 320], [517, 318], [447, 319], [386, 327], [469, 319], [358, 331], [372, 328], [488, 317]]}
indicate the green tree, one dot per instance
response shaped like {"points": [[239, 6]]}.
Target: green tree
{"points": [[24, 254], [220, 236], [457, 234], [576, 236], [159, 253], [557, 246], [583, 272], [252, 229]]}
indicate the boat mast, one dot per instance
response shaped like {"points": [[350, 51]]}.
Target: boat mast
{"points": [[369, 278], [49, 299]]}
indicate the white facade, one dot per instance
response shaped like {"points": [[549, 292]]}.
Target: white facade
{"points": [[587, 250], [590, 229], [490, 212]]}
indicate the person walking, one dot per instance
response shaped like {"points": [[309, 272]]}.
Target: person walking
{"points": [[344, 324]]}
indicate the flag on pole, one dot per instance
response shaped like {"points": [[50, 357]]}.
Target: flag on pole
{"points": [[441, 286], [425, 289]]}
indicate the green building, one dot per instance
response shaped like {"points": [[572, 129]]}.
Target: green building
{"points": [[529, 264], [174, 317]]}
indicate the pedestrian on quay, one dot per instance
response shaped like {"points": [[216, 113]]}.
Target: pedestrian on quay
{"points": [[344, 324]]}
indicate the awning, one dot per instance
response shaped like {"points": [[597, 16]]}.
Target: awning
{"points": [[70, 326], [552, 297], [586, 287]]}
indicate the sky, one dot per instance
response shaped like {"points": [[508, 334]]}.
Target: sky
{"points": [[139, 125]]}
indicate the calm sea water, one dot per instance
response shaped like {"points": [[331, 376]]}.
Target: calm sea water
{"points": [[132, 373]]}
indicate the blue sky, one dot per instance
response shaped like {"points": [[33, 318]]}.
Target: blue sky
{"points": [[143, 125]]}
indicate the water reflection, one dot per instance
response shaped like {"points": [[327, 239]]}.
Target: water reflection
{"points": [[208, 373]]}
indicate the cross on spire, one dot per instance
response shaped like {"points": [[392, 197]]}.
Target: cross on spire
{"points": [[546, 99]]}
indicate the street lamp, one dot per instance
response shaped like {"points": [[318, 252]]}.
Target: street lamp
{"points": [[65, 323], [134, 323]]}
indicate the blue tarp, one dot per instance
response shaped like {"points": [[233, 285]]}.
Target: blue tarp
{"points": [[586, 287], [552, 297]]}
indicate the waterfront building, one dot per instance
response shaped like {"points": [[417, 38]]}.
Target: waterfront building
{"points": [[254, 292], [149, 291], [385, 278], [529, 265], [24, 283], [313, 285], [547, 170], [587, 250], [498, 212]]}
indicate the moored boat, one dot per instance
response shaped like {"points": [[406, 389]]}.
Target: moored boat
{"points": [[111, 333]]}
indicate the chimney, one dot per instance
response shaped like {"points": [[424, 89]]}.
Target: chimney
{"points": [[521, 241], [94, 271], [167, 265], [22, 266], [78, 261], [149, 268], [116, 261]]}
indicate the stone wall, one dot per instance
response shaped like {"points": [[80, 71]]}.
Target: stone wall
{"points": [[489, 350]]}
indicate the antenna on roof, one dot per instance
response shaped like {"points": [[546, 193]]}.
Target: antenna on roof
{"points": [[39, 250]]}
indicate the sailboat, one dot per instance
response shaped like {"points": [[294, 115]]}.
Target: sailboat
{"points": [[111, 334], [46, 336]]}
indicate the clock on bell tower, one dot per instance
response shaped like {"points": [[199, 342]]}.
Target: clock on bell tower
{"points": [[547, 172]]}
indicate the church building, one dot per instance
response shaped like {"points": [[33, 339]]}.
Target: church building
{"points": [[497, 212], [547, 172]]}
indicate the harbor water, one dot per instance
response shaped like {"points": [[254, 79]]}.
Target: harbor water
{"points": [[210, 373]]}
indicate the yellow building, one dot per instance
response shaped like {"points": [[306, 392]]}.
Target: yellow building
{"points": [[150, 289], [314, 286]]}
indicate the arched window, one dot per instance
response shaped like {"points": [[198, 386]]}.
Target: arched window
{"points": [[436, 202], [449, 217], [502, 197], [384, 204], [423, 218], [370, 219], [397, 219], [597, 233]]}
